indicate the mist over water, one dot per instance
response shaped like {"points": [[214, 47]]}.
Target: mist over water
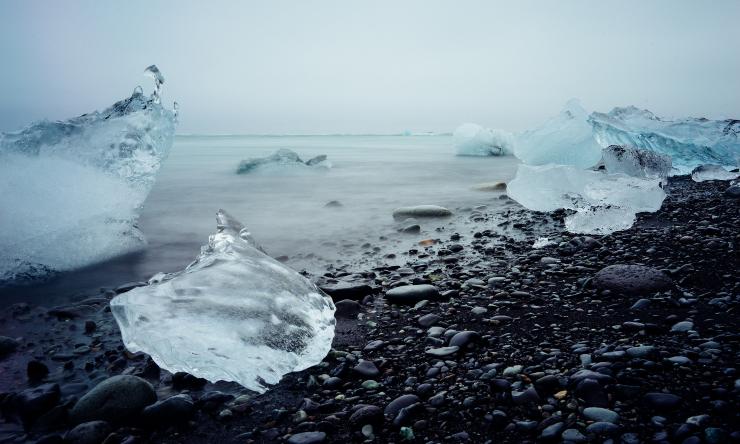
{"points": [[284, 207]]}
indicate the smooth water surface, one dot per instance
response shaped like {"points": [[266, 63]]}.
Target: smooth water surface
{"points": [[285, 208]]}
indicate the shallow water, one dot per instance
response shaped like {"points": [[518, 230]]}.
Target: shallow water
{"points": [[284, 208]]}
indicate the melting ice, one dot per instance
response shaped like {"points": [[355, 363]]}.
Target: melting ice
{"points": [[473, 140], [566, 139], [703, 173], [689, 141], [75, 186], [282, 160], [235, 314], [636, 163], [603, 203]]}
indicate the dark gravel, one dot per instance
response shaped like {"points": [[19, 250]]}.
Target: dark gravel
{"points": [[504, 343]]}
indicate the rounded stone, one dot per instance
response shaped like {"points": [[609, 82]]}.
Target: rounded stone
{"points": [[93, 432], [117, 399], [399, 403], [411, 294], [421, 211], [632, 279]]}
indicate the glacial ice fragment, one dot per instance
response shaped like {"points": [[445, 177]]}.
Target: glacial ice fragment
{"points": [[282, 160], [603, 203], [689, 141], [566, 139], [153, 72], [636, 163], [474, 140], [75, 186], [703, 173], [234, 314]]}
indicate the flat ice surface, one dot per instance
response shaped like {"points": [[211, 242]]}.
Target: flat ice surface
{"points": [[603, 203], [75, 186], [566, 139], [473, 140], [235, 314], [703, 173], [635, 162], [690, 141]]}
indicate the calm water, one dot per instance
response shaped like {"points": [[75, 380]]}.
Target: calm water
{"points": [[284, 209]]}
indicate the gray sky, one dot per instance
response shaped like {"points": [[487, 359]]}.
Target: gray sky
{"points": [[342, 66]]}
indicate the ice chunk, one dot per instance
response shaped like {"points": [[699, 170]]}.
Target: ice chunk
{"points": [[474, 140], [234, 314], [690, 141], [71, 189], [153, 72], [282, 160], [636, 163], [542, 242], [566, 139], [703, 173], [603, 203]]}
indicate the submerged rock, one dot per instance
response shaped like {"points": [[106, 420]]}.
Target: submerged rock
{"points": [[421, 211], [234, 314]]}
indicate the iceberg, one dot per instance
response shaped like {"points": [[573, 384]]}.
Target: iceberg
{"points": [[234, 314], [636, 163], [474, 140], [566, 139], [702, 173], [282, 160], [602, 203], [690, 141], [75, 186]]}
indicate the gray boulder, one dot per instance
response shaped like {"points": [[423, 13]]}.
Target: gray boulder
{"points": [[117, 399], [637, 279]]}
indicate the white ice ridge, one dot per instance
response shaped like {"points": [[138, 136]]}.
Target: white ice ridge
{"points": [[234, 314], [473, 140], [566, 139], [71, 190], [689, 141], [603, 203], [702, 173]]}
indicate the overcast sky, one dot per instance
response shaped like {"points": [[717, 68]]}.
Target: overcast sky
{"points": [[304, 67]]}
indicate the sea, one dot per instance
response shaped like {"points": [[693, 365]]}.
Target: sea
{"points": [[285, 208]]}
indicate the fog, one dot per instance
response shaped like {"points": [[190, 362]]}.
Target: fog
{"points": [[323, 67]]}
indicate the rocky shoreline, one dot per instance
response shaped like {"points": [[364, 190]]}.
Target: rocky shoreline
{"points": [[626, 338]]}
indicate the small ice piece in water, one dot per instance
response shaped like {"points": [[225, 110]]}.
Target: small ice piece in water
{"points": [[282, 160], [542, 242], [689, 141], [75, 187], [703, 173], [636, 163], [603, 203], [474, 140], [234, 314], [566, 139]]}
